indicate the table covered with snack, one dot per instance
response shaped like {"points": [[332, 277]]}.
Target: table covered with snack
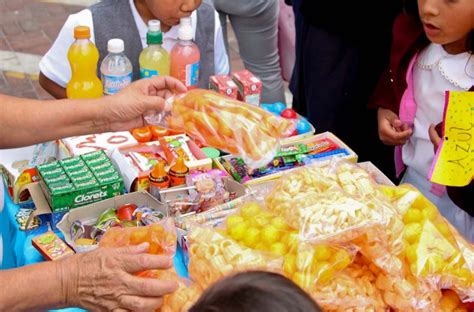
{"points": [[225, 186]]}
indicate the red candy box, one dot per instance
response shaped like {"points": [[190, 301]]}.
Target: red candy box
{"points": [[250, 87], [223, 84]]}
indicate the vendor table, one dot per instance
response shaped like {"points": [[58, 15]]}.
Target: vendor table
{"points": [[16, 245]]}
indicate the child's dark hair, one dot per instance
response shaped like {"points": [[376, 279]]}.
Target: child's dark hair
{"points": [[411, 7], [255, 291]]}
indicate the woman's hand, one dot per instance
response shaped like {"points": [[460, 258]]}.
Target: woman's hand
{"points": [[103, 280], [126, 109]]}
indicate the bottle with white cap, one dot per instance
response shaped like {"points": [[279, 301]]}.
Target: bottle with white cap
{"points": [[185, 56], [116, 69], [154, 60]]}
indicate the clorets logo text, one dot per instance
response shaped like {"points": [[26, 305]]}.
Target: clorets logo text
{"points": [[85, 198]]}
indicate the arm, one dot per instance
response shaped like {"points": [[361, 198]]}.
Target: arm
{"points": [[100, 280], [24, 122], [52, 87]]}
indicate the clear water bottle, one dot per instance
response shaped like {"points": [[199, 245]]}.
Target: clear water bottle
{"points": [[116, 69]]}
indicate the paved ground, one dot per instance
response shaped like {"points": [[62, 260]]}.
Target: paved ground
{"points": [[27, 30]]}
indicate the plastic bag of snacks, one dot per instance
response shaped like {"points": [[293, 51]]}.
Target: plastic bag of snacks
{"points": [[227, 124], [161, 236], [350, 290], [312, 200], [213, 255], [304, 263], [450, 302], [431, 249], [182, 299]]}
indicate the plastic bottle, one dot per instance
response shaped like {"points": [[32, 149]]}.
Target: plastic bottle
{"points": [[178, 172], [154, 60], [116, 69], [185, 56], [158, 180], [83, 57]]}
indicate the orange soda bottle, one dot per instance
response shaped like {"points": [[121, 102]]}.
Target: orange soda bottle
{"points": [[158, 179], [178, 172], [185, 56], [83, 57]]}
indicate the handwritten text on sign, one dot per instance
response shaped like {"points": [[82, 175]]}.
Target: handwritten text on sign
{"points": [[454, 161]]}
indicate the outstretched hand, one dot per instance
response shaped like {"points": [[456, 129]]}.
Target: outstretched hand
{"points": [[126, 109]]}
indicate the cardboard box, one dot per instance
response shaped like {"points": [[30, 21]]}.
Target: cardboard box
{"points": [[352, 156], [250, 87], [18, 166], [70, 172], [107, 142], [223, 84], [89, 214], [135, 174]]}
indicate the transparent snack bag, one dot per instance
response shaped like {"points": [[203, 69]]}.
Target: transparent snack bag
{"points": [[232, 126]]}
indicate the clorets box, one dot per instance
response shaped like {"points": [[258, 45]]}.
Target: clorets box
{"points": [[78, 181]]}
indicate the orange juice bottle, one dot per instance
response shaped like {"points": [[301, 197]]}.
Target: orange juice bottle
{"points": [[83, 57], [185, 56], [178, 172]]}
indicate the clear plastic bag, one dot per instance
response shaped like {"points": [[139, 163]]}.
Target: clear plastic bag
{"points": [[306, 264], [224, 123], [213, 255], [431, 249], [324, 206], [161, 236]]}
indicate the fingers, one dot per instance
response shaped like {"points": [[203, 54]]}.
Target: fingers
{"points": [[434, 137], [135, 303], [166, 82], [135, 263], [149, 287], [135, 249], [390, 136]]}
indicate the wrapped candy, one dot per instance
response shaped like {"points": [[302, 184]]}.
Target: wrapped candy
{"points": [[227, 124]]}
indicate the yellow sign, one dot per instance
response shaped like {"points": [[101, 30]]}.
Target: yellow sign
{"points": [[454, 161]]}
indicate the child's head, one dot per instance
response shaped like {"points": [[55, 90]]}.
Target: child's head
{"points": [[449, 23], [255, 291], [170, 11]]}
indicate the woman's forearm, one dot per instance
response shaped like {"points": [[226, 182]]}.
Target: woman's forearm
{"points": [[36, 287], [24, 122]]}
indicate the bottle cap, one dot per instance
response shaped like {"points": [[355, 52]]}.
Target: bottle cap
{"points": [[82, 32], [158, 171], [154, 37], [185, 31], [115, 46], [154, 25]]}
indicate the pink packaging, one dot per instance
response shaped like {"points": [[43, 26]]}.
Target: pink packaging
{"points": [[250, 87], [223, 84]]}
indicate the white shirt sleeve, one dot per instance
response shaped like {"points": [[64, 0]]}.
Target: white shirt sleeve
{"points": [[54, 63], [221, 59]]}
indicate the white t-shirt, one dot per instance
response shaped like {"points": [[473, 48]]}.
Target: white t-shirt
{"points": [[55, 65], [435, 72]]}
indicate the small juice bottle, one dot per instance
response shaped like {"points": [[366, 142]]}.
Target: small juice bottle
{"points": [[185, 56], [178, 172], [83, 57], [154, 60], [158, 179]]}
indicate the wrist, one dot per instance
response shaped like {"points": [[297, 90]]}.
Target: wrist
{"points": [[68, 275]]}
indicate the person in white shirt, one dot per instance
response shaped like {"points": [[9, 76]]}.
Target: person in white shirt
{"points": [[127, 19], [446, 64]]}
